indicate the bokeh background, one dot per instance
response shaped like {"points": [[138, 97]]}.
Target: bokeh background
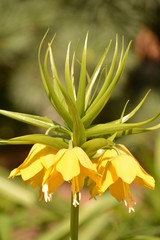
{"points": [[22, 26]]}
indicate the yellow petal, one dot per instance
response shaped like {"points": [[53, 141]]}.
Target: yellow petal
{"points": [[48, 158], [124, 150], [143, 178], [40, 151], [116, 190], [125, 168], [150, 183], [47, 174], [39, 156], [93, 176], [54, 181], [104, 160], [32, 165], [59, 154], [84, 159], [31, 170], [95, 162], [68, 165], [109, 154], [14, 172], [36, 181], [35, 152], [81, 179], [109, 177], [94, 190]]}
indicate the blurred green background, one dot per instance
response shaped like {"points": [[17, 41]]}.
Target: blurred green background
{"points": [[22, 26]]}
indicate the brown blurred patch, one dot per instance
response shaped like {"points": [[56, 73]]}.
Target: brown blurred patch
{"points": [[147, 44]]}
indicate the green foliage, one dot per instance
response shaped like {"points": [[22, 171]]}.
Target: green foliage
{"points": [[78, 109], [21, 32]]}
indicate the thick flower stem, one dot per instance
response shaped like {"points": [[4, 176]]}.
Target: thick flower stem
{"points": [[74, 220]]}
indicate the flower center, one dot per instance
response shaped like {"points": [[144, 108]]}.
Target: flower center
{"points": [[47, 197], [128, 199]]}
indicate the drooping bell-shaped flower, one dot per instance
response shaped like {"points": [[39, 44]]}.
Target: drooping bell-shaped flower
{"points": [[72, 165], [34, 167], [48, 169], [119, 170]]}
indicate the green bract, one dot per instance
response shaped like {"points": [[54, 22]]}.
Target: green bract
{"points": [[79, 109]]}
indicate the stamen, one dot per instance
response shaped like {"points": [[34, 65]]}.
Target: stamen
{"points": [[128, 199], [75, 200], [131, 209], [47, 197], [75, 191], [125, 203]]}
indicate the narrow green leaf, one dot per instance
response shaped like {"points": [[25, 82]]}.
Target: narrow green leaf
{"points": [[136, 131], [34, 120], [88, 77], [53, 96], [108, 77], [49, 88], [72, 70], [69, 82], [95, 109], [132, 113], [56, 87], [122, 114], [80, 103], [37, 121], [40, 65], [78, 127], [121, 56], [87, 73], [110, 128], [96, 87], [55, 142], [95, 75]]}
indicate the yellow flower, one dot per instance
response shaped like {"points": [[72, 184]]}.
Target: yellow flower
{"points": [[48, 170], [119, 169], [33, 169]]}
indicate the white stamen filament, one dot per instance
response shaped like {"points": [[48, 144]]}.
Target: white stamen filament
{"points": [[47, 197], [75, 200], [128, 199], [129, 203], [75, 192]]}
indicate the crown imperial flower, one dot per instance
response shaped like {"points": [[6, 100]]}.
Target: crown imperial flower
{"points": [[48, 169], [119, 169], [63, 153]]}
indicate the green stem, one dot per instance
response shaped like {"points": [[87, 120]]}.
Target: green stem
{"points": [[74, 219]]}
